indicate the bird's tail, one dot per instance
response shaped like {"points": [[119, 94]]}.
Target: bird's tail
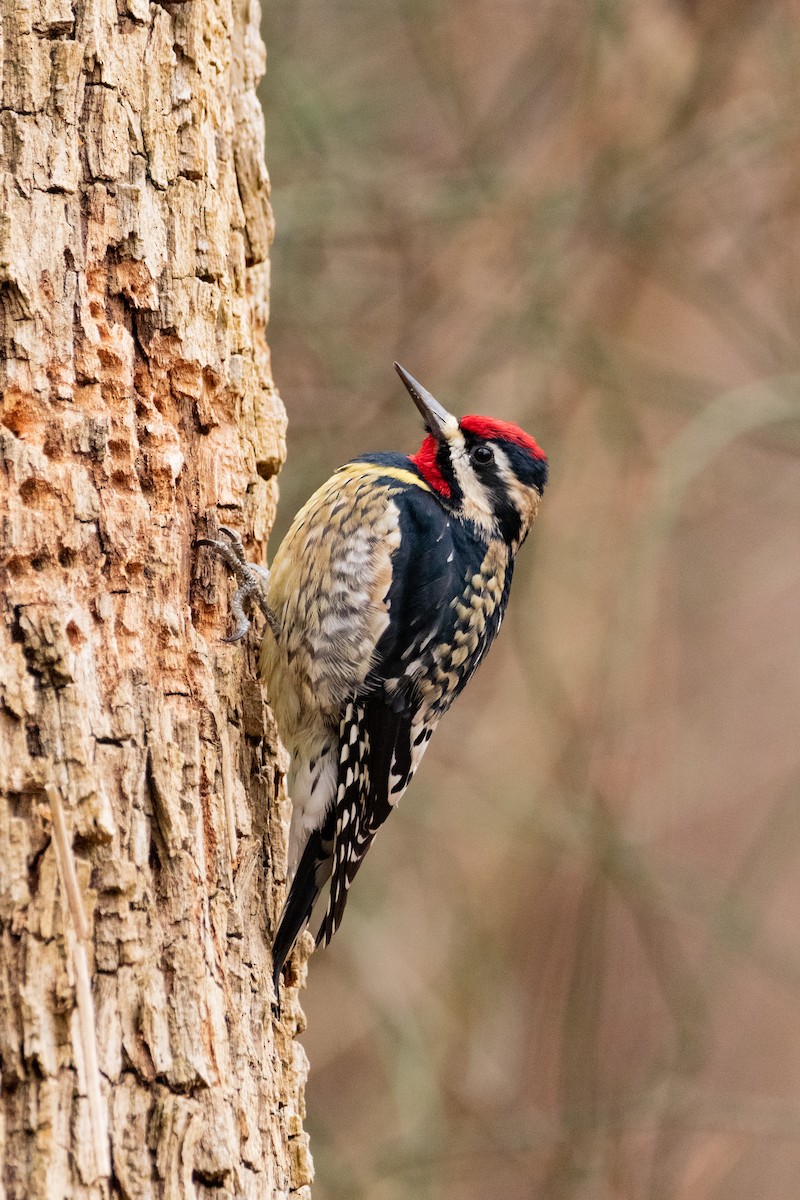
{"points": [[310, 877]]}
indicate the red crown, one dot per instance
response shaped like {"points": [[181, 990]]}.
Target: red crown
{"points": [[502, 431]]}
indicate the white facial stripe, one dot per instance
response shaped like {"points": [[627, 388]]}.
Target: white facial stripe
{"points": [[504, 467], [477, 504], [524, 499]]}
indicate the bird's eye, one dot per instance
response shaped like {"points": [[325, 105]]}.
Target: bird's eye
{"points": [[482, 455]]}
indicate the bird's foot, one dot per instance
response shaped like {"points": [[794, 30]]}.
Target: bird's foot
{"points": [[252, 580]]}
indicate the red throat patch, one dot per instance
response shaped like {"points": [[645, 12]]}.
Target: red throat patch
{"points": [[502, 431], [425, 462]]}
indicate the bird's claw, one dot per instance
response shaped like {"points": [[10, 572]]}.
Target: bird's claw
{"points": [[252, 580]]}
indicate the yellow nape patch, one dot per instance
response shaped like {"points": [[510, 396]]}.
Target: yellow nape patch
{"points": [[358, 470]]}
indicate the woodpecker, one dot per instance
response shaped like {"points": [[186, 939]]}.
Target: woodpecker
{"points": [[381, 601]]}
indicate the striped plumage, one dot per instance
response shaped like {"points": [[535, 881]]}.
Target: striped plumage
{"points": [[383, 598]]}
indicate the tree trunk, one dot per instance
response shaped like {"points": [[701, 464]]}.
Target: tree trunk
{"points": [[142, 816]]}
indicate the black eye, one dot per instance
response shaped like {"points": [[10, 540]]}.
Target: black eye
{"points": [[482, 455]]}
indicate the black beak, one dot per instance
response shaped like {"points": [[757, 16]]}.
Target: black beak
{"points": [[436, 418]]}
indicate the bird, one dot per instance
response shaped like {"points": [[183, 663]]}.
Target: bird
{"points": [[381, 601]]}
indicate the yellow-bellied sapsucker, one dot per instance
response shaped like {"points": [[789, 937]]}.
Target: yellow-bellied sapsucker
{"points": [[381, 601]]}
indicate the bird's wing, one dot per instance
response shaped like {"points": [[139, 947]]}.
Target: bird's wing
{"points": [[370, 732]]}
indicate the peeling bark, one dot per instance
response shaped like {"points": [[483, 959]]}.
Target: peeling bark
{"points": [[142, 813]]}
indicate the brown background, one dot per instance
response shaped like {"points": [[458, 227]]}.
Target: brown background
{"points": [[571, 966]]}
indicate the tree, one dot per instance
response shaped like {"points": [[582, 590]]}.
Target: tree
{"points": [[142, 814]]}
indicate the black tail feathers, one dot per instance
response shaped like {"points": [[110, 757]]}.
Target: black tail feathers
{"points": [[306, 885]]}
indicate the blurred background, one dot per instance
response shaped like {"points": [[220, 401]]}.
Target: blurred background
{"points": [[571, 966]]}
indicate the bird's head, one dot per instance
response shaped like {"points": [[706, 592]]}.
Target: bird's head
{"points": [[489, 472]]}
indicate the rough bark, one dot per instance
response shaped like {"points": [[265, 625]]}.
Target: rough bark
{"points": [[142, 816]]}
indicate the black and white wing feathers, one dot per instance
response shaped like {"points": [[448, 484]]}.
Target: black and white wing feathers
{"points": [[379, 725]]}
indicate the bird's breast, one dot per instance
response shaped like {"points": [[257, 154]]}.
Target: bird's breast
{"points": [[471, 625]]}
